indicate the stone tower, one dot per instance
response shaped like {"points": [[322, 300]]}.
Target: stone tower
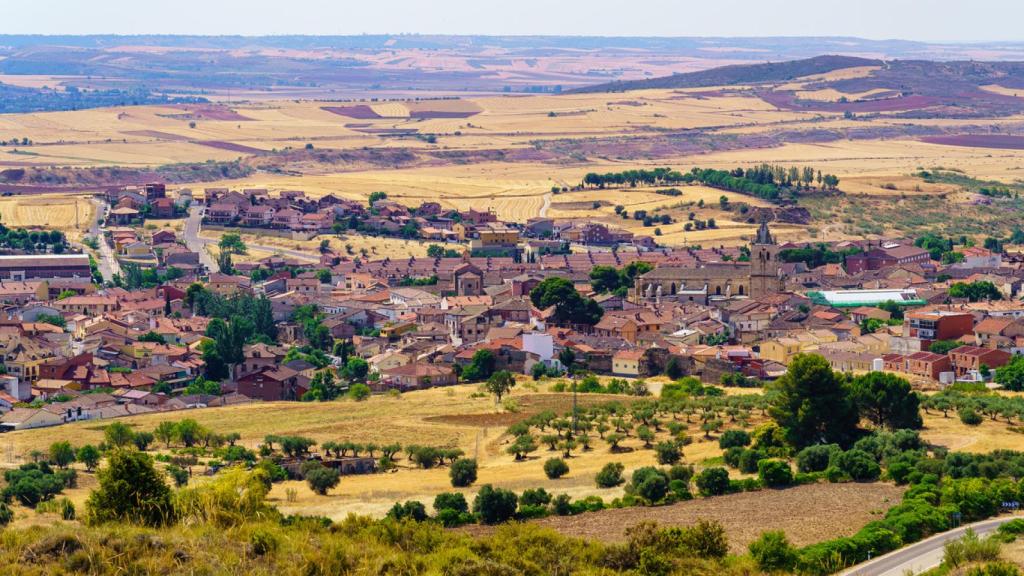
{"points": [[764, 264]]}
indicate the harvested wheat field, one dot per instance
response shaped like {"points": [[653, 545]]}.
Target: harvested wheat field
{"points": [[68, 213], [807, 514]]}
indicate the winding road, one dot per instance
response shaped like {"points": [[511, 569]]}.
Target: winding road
{"points": [[923, 555]]}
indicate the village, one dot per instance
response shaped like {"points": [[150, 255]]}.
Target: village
{"points": [[494, 296]]}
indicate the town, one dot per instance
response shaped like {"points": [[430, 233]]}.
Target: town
{"points": [[527, 297]]}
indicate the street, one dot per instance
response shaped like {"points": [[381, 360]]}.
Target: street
{"points": [[923, 555]]}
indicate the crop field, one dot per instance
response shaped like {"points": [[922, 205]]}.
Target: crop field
{"points": [[352, 245], [807, 514], [69, 214]]}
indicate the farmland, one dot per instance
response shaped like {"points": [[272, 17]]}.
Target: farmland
{"points": [[67, 213]]}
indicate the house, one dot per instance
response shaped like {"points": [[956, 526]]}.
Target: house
{"points": [[222, 212], [162, 208], [417, 375], [1001, 333], [165, 236], [260, 215], [627, 363], [927, 364], [123, 215], [970, 359], [275, 384], [931, 325]]}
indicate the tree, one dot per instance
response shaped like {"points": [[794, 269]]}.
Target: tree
{"points": [[90, 456], [649, 483], [231, 243], [187, 431], [773, 552], [356, 369], [324, 276], [375, 196], [500, 383], [674, 368], [733, 438], [774, 473], [165, 432], [668, 452], [713, 481], [570, 307], [152, 337], [118, 434], [481, 366], [62, 454], [555, 468], [886, 400], [812, 404], [610, 475], [322, 387], [522, 446], [463, 472], [494, 505], [321, 478], [130, 490], [1011, 376], [858, 465], [359, 392], [975, 291], [944, 346]]}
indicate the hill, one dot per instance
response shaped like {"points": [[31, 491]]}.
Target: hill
{"points": [[740, 74]]}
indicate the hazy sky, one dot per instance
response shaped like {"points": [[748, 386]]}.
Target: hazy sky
{"points": [[929, 20]]}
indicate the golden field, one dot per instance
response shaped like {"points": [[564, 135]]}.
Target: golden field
{"points": [[70, 214], [457, 417]]}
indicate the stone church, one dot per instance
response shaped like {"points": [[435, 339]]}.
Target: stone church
{"points": [[717, 280]]}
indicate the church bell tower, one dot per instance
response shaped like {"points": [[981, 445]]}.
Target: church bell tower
{"points": [[764, 264]]}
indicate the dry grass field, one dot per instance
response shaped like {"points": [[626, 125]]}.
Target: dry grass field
{"points": [[459, 417], [68, 213], [352, 245]]}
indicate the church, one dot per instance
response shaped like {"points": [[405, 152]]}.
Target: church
{"points": [[716, 280]]}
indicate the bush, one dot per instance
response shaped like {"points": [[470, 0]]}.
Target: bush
{"points": [[650, 484], [494, 505], [681, 472], [774, 473], [668, 452], [359, 392], [452, 509], [6, 515], [411, 510], [749, 459], [610, 475], [713, 481], [130, 490], [969, 417], [773, 552], [321, 478], [178, 474], [858, 465], [815, 458], [555, 468], [463, 472], [733, 438], [535, 497], [994, 569]]}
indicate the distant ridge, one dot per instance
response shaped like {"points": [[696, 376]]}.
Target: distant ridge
{"points": [[739, 74]]}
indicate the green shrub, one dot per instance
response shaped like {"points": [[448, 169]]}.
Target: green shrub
{"points": [[816, 458], [555, 468], [774, 473], [681, 472], [668, 452], [321, 479], [130, 490], [494, 505], [610, 475], [731, 456], [733, 439], [969, 417], [749, 459], [858, 465], [463, 472], [650, 484], [713, 481], [410, 510], [773, 552], [6, 515]]}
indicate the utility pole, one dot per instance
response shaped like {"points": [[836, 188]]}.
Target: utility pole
{"points": [[575, 416]]}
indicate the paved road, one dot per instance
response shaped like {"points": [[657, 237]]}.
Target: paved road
{"points": [[107, 263], [924, 555], [196, 243]]}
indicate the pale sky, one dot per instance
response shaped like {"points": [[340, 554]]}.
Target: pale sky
{"points": [[926, 20]]}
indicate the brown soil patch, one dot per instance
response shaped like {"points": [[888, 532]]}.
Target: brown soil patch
{"points": [[807, 514], [1000, 141]]}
